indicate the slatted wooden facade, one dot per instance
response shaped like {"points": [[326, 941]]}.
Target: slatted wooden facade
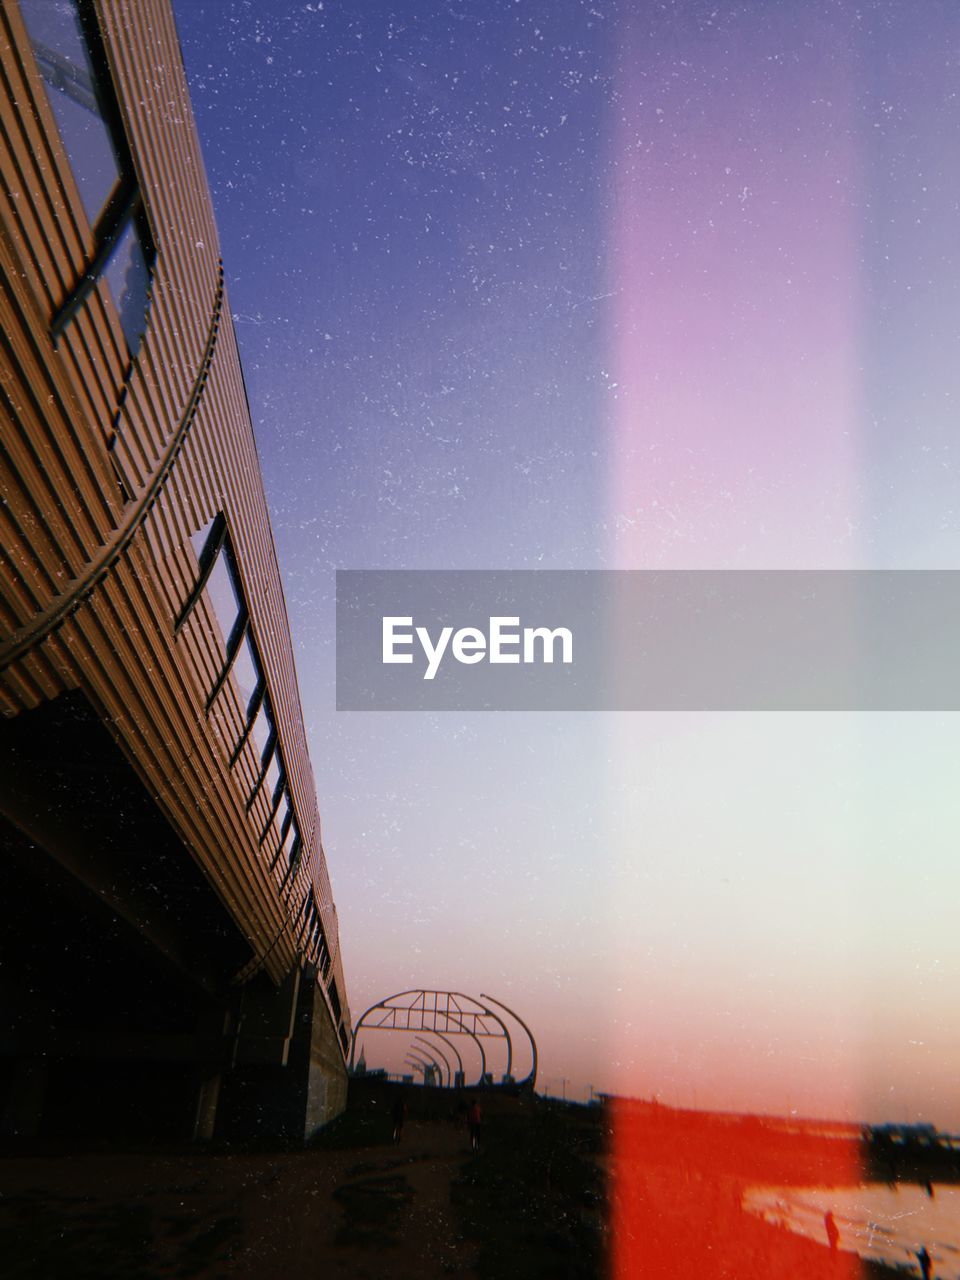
{"points": [[111, 462]]}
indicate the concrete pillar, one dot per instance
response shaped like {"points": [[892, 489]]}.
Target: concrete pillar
{"points": [[317, 1050], [289, 1078], [208, 1096]]}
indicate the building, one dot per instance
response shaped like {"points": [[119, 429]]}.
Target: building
{"points": [[170, 955]]}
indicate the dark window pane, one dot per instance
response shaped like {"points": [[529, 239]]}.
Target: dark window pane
{"points": [[129, 280], [310, 911], [283, 812], [275, 799], [292, 840], [262, 728], [61, 53], [273, 829], [272, 775], [198, 540], [224, 597], [246, 672]]}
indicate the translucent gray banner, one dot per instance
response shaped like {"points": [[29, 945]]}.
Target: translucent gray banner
{"points": [[866, 640]]}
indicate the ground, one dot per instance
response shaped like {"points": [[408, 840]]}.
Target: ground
{"points": [[556, 1193], [351, 1205]]}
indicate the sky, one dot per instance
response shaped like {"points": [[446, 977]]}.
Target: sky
{"points": [[633, 285]]}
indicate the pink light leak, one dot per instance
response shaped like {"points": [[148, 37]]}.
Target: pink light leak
{"points": [[734, 270], [735, 324]]}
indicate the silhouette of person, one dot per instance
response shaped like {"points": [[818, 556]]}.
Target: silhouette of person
{"points": [[926, 1263], [399, 1114], [474, 1121], [833, 1232]]}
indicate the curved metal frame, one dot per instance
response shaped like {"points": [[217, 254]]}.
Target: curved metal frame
{"points": [[506, 1032], [455, 1051], [483, 1056], [443, 1057], [530, 1079], [425, 1063], [433, 1063], [416, 1062], [457, 1016]]}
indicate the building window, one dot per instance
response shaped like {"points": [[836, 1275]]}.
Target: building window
{"points": [[312, 938], [263, 739], [282, 835], [70, 57], [279, 808], [271, 773], [219, 583], [219, 580], [291, 847], [248, 677], [241, 680], [309, 916], [226, 600]]}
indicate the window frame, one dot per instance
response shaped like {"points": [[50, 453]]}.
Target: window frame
{"points": [[309, 902], [272, 751], [280, 790], [217, 542], [125, 206], [336, 1004]]}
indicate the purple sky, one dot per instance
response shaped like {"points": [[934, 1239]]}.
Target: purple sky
{"points": [[582, 285]]}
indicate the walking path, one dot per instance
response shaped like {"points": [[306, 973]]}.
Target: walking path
{"points": [[373, 1211]]}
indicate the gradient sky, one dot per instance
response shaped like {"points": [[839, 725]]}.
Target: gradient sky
{"points": [[567, 284]]}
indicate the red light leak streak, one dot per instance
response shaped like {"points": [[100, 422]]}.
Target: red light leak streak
{"points": [[676, 1182]]}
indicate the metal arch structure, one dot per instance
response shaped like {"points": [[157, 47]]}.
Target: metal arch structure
{"points": [[454, 1050], [415, 1060], [530, 1080], [442, 1057], [483, 1057], [418, 1064], [434, 1063], [458, 1028], [441, 1012], [477, 1042]]}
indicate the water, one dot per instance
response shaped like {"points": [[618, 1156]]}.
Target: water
{"points": [[886, 1223]]}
